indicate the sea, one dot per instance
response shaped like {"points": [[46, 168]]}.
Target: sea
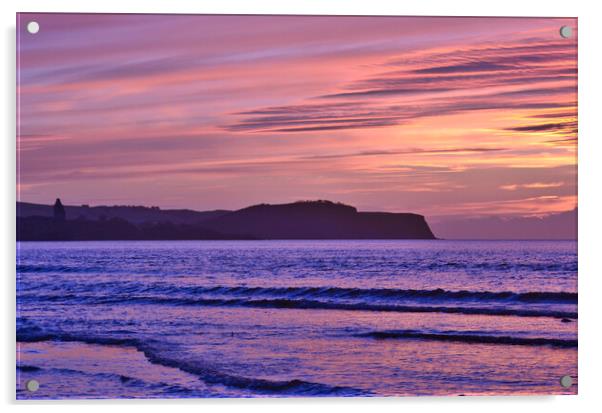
{"points": [[342, 318]]}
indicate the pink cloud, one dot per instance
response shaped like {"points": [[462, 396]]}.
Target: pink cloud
{"points": [[224, 111]]}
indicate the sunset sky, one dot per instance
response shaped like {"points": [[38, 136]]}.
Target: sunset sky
{"points": [[446, 117]]}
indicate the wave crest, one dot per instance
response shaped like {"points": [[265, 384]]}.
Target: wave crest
{"points": [[470, 338]]}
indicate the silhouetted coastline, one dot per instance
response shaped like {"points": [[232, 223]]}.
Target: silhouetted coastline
{"points": [[299, 220]]}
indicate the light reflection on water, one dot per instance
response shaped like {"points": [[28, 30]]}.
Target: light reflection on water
{"points": [[287, 318]]}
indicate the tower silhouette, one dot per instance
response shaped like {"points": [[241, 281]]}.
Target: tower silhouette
{"points": [[59, 210]]}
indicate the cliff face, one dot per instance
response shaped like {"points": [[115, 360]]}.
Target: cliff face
{"points": [[320, 220]]}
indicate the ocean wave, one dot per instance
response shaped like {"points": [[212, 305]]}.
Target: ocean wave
{"points": [[27, 368], [388, 293], [304, 304], [321, 305], [335, 265], [470, 338], [211, 375], [29, 333], [123, 379], [208, 374], [45, 268]]}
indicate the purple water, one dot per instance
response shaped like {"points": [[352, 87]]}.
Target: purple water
{"points": [[295, 318]]}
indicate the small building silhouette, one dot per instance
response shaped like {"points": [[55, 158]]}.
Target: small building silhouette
{"points": [[59, 210]]}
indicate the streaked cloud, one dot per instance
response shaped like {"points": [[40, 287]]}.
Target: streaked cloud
{"points": [[440, 116], [561, 126], [534, 185]]}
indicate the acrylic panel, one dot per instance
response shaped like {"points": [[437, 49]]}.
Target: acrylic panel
{"points": [[295, 206]]}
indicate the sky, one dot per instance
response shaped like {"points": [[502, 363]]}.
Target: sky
{"points": [[451, 118]]}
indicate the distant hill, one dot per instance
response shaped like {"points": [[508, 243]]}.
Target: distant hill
{"points": [[133, 214], [299, 220], [320, 220], [554, 226]]}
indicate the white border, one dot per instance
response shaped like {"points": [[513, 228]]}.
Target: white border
{"points": [[590, 206]]}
